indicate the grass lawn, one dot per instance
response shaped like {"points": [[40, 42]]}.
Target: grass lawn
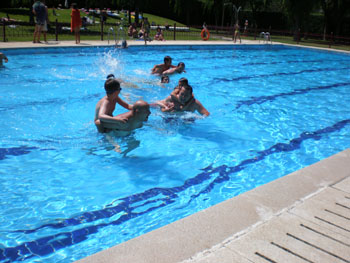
{"points": [[25, 33], [63, 16]]}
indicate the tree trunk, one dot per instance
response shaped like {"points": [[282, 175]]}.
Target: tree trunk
{"points": [[296, 35], [137, 12]]}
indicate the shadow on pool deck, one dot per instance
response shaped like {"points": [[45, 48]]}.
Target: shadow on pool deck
{"points": [[301, 217]]}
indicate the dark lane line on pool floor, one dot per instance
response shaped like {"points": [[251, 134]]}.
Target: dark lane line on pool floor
{"points": [[280, 74], [277, 148], [291, 61], [262, 99], [126, 206], [15, 151]]}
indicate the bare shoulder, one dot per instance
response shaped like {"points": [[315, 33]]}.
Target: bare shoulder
{"points": [[200, 108]]}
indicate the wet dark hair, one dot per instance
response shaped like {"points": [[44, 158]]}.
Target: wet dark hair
{"points": [[163, 78], [167, 58], [184, 81], [189, 88], [111, 85], [180, 64]]}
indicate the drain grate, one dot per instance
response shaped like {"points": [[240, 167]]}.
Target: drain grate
{"points": [[325, 235], [332, 224], [334, 213], [291, 252], [317, 247], [265, 257]]}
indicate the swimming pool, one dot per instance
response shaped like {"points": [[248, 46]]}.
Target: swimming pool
{"points": [[66, 193]]}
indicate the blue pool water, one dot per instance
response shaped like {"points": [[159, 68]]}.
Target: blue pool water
{"points": [[66, 193]]}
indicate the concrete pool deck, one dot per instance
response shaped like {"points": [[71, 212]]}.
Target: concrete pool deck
{"points": [[91, 43], [301, 217]]}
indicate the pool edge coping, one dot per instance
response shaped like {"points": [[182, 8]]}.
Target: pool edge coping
{"points": [[94, 43], [192, 235]]}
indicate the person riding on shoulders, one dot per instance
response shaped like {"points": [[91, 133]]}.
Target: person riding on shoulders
{"points": [[133, 119], [182, 99], [106, 106]]}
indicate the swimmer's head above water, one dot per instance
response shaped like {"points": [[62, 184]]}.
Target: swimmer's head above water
{"points": [[110, 76], [180, 67], [167, 60], [183, 82], [164, 79], [186, 94], [112, 85]]}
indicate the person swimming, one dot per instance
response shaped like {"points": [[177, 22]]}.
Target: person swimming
{"points": [[3, 57], [164, 79], [106, 105], [179, 69], [160, 68], [132, 119], [182, 99]]}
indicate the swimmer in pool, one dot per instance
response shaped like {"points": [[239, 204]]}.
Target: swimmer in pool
{"points": [[3, 57], [189, 102], [179, 69], [172, 100], [183, 101], [130, 120], [160, 68], [105, 107], [164, 79]]}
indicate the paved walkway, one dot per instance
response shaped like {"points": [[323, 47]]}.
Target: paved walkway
{"points": [[301, 217], [111, 43], [316, 230]]}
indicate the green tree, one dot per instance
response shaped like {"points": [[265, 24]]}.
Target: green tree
{"points": [[335, 12], [257, 6], [222, 7], [215, 6], [298, 12], [184, 8]]}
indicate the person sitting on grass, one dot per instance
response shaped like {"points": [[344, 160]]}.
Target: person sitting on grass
{"points": [[132, 32], [160, 68], [105, 107], [179, 69], [159, 35]]}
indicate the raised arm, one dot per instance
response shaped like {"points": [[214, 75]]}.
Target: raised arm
{"points": [[124, 104], [106, 118]]}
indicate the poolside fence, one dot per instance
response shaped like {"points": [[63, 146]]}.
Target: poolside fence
{"points": [[99, 30]]}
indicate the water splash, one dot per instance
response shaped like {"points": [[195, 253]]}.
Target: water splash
{"points": [[109, 62]]}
